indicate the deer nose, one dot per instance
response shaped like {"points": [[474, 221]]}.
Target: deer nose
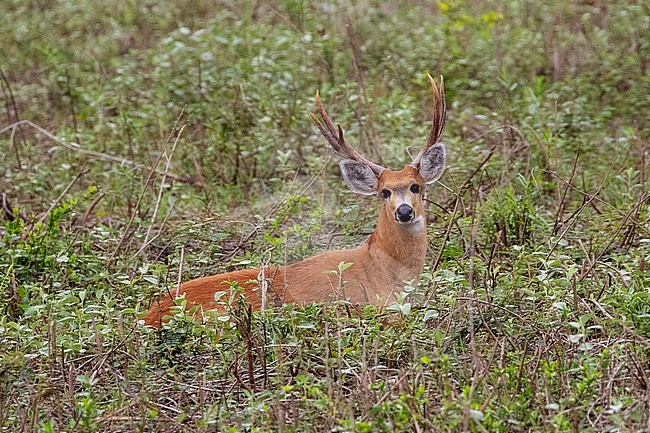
{"points": [[404, 213]]}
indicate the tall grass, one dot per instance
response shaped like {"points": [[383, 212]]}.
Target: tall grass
{"points": [[147, 141]]}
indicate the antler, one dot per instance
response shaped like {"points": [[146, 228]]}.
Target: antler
{"points": [[337, 139], [439, 116]]}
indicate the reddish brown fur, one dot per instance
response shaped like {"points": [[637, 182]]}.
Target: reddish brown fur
{"points": [[393, 254]]}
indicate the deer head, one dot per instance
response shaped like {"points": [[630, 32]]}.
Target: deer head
{"points": [[400, 190]]}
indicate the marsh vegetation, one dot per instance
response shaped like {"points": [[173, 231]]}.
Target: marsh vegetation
{"points": [[149, 142]]}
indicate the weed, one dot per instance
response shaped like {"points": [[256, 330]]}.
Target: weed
{"points": [[175, 142]]}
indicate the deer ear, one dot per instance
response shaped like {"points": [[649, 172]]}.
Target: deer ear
{"points": [[433, 163], [359, 177]]}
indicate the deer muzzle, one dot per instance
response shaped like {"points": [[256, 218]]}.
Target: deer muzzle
{"points": [[404, 213]]}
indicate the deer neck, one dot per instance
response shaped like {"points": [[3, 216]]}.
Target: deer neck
{"points": [[405, 244]]}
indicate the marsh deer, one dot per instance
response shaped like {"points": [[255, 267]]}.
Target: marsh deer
{"points": [[393, 254]]}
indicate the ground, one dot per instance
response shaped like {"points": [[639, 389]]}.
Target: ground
{"points": [[145, 142]]}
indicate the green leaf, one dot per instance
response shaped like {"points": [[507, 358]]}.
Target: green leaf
{"points": [[343, 266], [430, 314]]}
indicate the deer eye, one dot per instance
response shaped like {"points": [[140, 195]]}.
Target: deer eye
{"points": [[415, 188], [385, 193]]}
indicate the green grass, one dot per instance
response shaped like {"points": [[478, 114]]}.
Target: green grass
{"points": [[176, 139]]}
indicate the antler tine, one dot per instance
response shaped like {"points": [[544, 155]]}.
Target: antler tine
{"points": [[336, 138], [439, 117]]}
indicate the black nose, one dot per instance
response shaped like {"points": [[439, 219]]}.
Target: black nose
{"points": [[404, 213]]}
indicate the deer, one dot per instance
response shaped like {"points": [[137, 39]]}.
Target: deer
{"points": [[373, 272]]}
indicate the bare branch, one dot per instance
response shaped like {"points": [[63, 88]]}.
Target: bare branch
{"points": [[94, 154]]}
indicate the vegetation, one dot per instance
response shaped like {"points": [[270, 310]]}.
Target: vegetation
{"points": [[145, 142]]}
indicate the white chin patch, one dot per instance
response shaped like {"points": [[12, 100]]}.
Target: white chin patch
{"points": [[415, 224]]}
